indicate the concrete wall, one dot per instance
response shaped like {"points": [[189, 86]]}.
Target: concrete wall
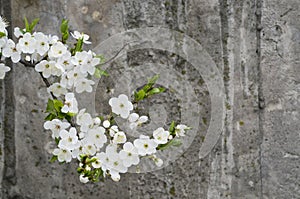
{"points": [[255, 45]]}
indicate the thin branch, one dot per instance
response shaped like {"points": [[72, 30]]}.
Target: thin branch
{"points": [[117, 54]]}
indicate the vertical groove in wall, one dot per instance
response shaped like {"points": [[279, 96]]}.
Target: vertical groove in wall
{"points": [[9, 172], [260, 89]]}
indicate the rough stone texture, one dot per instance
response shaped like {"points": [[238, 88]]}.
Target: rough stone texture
{"points": [[255, 45]]}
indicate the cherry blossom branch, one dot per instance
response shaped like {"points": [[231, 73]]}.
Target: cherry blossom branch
{"points": [[45, 80], [117, 54]]}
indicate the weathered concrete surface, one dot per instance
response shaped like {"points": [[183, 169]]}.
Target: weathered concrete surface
{"points": [[281, 88], [255, 45]]}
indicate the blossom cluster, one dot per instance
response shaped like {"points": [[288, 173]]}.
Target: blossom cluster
{"points": [[96, 142]]}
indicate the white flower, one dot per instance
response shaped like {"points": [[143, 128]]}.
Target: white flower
{"points": [[135, 120], [42, 43], [159, 162], [119, 137], [113, 130], [145, 145], [65, 61], [27, 43], [86, 62], [180, 129], [129, 155], [106, 124], [52, 39], [3, 69], [70, 104], [97, 121], [88, 147], [56, 126], [69, 140], [121, 105], [84, 119], [17, 32], [84, 84], [83, 179], [78, 151], [96, 163], [3, 24], [63, 155], [77, 35], [57, 89], [161, 136], [97, 137], [57, 50], [3, 41], [11, 51], [74, 75], [48, 68]]}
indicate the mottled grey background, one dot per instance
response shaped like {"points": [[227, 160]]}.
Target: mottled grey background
{"points": [[255, 45]]}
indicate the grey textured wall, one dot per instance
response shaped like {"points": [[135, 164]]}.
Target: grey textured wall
{"points": [[255, 45]]}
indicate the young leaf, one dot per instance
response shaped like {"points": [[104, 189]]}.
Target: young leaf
{"points": [[152, 80], [50, 117], [53, 159], [27, 27], [64, 29], [99, 73], [57, 105], [50, 106], [172, 127], [2, 34], [140, 95], [156, 91], [33, 24], [173, 142]]}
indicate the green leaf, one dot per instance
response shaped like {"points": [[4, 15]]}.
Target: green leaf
{"points": [[53, 159], [57, 105], [99, 73], [140, 95], [153, 80], [64, 29], [156, 91], [57, 140], [2, 34], [27, 27], [50, 106], [50, 117], [172, 127], [173, 142], [33, 24], [101, 57], [78, 47]]}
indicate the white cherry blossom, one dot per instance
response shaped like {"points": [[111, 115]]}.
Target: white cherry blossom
{"points": [[129, 155], [48, 68], [42, 43], [77, 35], [135, 120], [84, 84], [27, 43], [3, 69], [57, 89], [69, 139], [10, 50], [97, 137], [63, 155], [145, 145], [161, 136], [119, 137], [70, 104], [57, 50], [180, 130], [56, 126], [121, 106]]}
